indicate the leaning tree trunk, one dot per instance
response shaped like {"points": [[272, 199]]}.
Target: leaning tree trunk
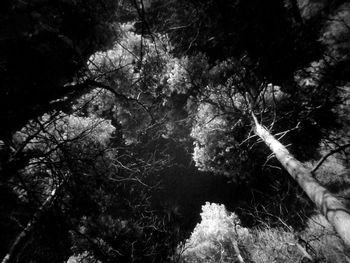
{"points": [[331, 207], [21, 238]]}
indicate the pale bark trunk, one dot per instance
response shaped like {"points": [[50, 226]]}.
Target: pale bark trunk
{"points": [[239, 258], [331, 207], [20, 239]]}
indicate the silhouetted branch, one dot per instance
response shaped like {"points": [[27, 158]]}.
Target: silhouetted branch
{"points": [[20, 239], [324, 158]]}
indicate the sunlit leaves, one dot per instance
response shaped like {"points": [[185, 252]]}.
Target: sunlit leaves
{"points": [[84, 257], [215, 237], [187, 74], [220, 237], [222, 122], [49, 132], [206, 130], [134, 70], [58, 144], [134, 61], [217, 143]]}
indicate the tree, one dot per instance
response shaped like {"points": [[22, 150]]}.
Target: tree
{"points": [[51, 144], [110, 108], [330, 206], [100, 185], [214, 239], [222, 127], [220, 237], [104, 151]]}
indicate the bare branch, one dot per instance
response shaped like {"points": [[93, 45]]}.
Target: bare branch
{"points": [[324, 158]]}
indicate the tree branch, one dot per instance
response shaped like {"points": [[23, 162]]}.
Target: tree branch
{"points": [[324, 158]]}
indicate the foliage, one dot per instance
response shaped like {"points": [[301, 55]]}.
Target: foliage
{"points": [[44, 47], [133, 69], [102, 205], [222, 126], [322, 242], [273, 34], [219, 237], [214, 239], [149, 85], [96, 95], [84, 257], [214, 146]]}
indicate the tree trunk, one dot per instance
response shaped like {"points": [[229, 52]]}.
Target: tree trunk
{"points": [[331, 207], [21, 238], [239, 258]]}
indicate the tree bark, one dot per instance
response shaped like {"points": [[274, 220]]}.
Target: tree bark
{"points": [[239, 258], [21, 238], [330, 206]]}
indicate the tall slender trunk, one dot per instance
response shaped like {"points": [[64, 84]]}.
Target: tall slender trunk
{"points": [[331, 207], [22, 236], [239, 258]]}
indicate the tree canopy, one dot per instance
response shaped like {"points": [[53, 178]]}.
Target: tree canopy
{"points": [[110, 109]]}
